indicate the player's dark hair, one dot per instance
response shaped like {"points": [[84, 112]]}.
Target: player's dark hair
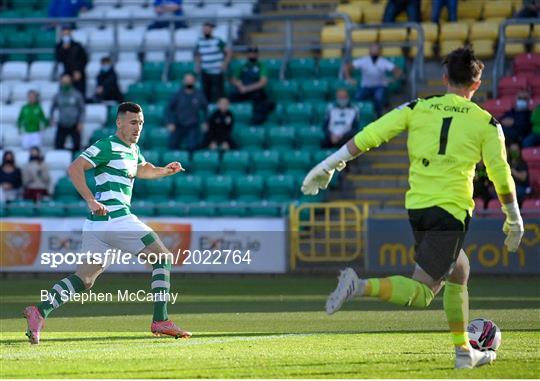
{"points": [[462, 67], [128, 107]]}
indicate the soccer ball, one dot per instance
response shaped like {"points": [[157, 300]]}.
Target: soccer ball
{"points": [[484, 335]]}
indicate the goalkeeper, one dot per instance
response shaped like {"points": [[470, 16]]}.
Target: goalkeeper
{"points": [[447, 135]]}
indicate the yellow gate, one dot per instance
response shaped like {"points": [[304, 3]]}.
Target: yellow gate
{"points": [[326, 232]]}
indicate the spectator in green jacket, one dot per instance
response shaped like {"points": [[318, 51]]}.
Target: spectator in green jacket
{"points": [[31, 120]]}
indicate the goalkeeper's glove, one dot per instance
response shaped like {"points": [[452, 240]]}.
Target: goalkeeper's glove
{"points": [[321, 175], [513, 226]]}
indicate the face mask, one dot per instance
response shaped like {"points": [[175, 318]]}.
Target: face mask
{"points": [[65, 88], [9, 161], [253, 59], [342, 102], [105, 67], [66, 40], [208, 35], [374, 57], [35, 158], [514, 154], [189, 86], [521, 105]]}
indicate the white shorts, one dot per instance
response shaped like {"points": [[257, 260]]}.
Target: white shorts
{"points": [[31, 139], [125, 234]]}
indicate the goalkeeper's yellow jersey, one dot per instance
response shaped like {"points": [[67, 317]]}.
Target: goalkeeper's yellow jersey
{"points": [[447, 136]]}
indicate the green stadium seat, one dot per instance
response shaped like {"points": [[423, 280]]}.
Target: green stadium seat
{"points": [[329, 67], [51, 209], [234, 66], [280, 188], [180, 156], [242, 112], [140, 92], [299, 113], [249, 188], [235, 163], [187, 188], [172, 208], [319, 111], [297, 163], [205, 162], [301, 68], [342, 84], [159, 189], [101, 133], [139, 189], [281, 138], [201, 209], [164, 91], [45, 39], [285, 90], [143, 208], [310, 137], [278, 115], [152, 156], [273, 67], [21, 208], [3, 41], [76, 209], [316, 89], [399, 61], [45, 57], [20, 40], [367, 111], [111, 116], [157, 138], [218, 188], [265, 162], [65, 191], [250, 138], [233, 209], [18, 57], [11, 14], [152, 71], [154, 114], [179, 69], [265, 209], [535, 116]]}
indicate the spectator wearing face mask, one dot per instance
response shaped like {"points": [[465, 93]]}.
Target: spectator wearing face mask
{"points": [[212, 59], [107, 83], [249, 83], [73, 57], [10, 178], [341, 121], [31, 121], [71, 109], [374, 83], [35, 177], [516, 123], [183, 115], [519, 170], [220, 127]]}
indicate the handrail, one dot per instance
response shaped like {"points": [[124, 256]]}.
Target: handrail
{"points": [[417, 70], [287, 46], [498, 66]]}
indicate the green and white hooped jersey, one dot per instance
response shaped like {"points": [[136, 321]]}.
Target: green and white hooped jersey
{"points": [[115, 166], [212, 52]]}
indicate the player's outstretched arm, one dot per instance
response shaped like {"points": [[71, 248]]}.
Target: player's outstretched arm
{"points": [[494, 156], [150, 171], [76, 174]]}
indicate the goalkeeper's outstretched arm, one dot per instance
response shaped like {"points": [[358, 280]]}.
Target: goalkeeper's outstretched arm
{"points": [[373, 135]]}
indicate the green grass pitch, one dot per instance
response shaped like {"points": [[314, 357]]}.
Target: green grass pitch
{"points": [[263, 327]]}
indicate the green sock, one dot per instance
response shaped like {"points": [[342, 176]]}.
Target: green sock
{"points": [[161, 275], [59, 293], [456, 307], [400, 290]]}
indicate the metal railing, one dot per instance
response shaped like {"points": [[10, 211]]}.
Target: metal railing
{"points": [[498, 66], [286, 47], [417, 70]]}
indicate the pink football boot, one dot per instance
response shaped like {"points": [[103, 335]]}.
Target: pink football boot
{"points": [[35, 323], [167, 327]]}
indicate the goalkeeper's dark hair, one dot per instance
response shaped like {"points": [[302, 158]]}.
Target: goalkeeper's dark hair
{"points": [[128, 107], [462, 67]]}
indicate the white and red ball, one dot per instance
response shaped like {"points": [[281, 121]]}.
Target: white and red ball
{"points": [[484, 335]]}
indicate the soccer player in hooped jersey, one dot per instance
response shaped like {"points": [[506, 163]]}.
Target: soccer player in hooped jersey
{"points": [[117, 160], [447, 136]]}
